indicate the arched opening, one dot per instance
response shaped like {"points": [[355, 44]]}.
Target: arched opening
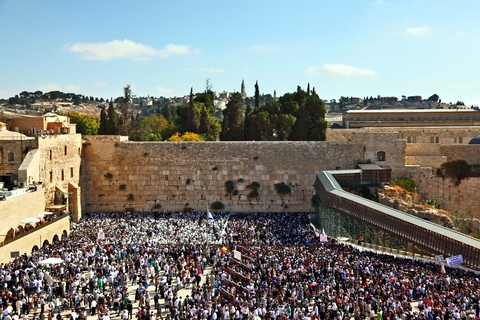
{"points": [[414, 139], [45, 243], [10, 235], [381, 156], [35, 248], [51, 155], [11, 156], [409, 140], [65, 150], [55, 238], [64, 235], [437, 139]]}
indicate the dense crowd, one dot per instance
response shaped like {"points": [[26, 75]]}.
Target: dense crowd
{"points": [[136, 265]]}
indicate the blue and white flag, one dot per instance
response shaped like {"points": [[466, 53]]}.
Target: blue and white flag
{"points": [[209, 216]]}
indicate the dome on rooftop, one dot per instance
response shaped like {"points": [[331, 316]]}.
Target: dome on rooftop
{"points": [[475, 140]]}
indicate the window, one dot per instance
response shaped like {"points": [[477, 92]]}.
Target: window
{"points": [[65, 150], [454, 139], [63, 175], [409, 140], [51, 176], [432, 139], [11, 156], [460, 139], [71, 172], [437, 139], [414, 139], [51, 156], [381, 156]]}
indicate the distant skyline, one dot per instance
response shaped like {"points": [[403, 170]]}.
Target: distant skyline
{"points": [[163, 48]]}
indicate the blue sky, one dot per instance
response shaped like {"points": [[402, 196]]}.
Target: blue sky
{"points": [[163, 48]]}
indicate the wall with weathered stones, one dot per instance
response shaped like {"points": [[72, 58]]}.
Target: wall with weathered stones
{"points": [[147, 175], [446, 135], [469, 153], [58, 164], [462, 198]]}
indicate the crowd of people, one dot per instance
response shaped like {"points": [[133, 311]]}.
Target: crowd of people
{"points": [[175, 265]]}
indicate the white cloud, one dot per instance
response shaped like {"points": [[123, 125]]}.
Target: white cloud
{"points": [[339, 70], [101, 84], [208, 70], [262, 48], [49, 87], [419, 31], [164, 90], [72, 88], [121, 49]]}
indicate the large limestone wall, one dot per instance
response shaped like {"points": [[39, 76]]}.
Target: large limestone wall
{"points": [[139, 175]]}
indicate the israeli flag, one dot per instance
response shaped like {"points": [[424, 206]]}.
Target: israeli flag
{"points": [[209, 216]]}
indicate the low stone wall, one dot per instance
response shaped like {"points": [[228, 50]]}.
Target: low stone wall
{"points": [[44, 235]]}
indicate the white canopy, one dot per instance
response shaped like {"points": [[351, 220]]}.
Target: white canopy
{"points": [[50, 261], [30, 220]]}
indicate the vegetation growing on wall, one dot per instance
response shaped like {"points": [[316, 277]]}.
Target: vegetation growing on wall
{"points": [[122, 186], [434, 203], [406, 183], [131, 197], [315, 200], [217, 205], [108, 175], [457, 169]]}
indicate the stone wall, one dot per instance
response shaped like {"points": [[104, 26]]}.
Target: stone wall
{"points": [[462, 198], [58, 164], [446, 135], [469, 153], [146, 175]]}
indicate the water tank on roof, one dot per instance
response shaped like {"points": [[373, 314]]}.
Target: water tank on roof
{"points": [[475, 140]]}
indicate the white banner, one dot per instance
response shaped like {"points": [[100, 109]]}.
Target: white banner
{"points": [[454, 261], [439, 258], [237, 255]]}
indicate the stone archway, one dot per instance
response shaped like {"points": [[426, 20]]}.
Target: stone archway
{"points": [[45, 243], [35, 248], [55, 238], [64, 235]]}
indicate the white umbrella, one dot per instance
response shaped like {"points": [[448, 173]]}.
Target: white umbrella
{"points": [[30, 220], [50, 261], [47, 213]]}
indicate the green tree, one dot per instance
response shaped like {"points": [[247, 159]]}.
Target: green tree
{"points": [[257, 95], [112, 121], [103, 122], [232, 126], [191, 122], [433, 97], [247, 123], [86, 124]]}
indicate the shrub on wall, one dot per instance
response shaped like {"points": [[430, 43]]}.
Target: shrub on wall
{"points": [[434, 203], [122, 187], [229, 186], [217, 205], [254, 185], [282, 188], [131, 197], [406, 183], [253, 194], [108, 175], [457, 169]]}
